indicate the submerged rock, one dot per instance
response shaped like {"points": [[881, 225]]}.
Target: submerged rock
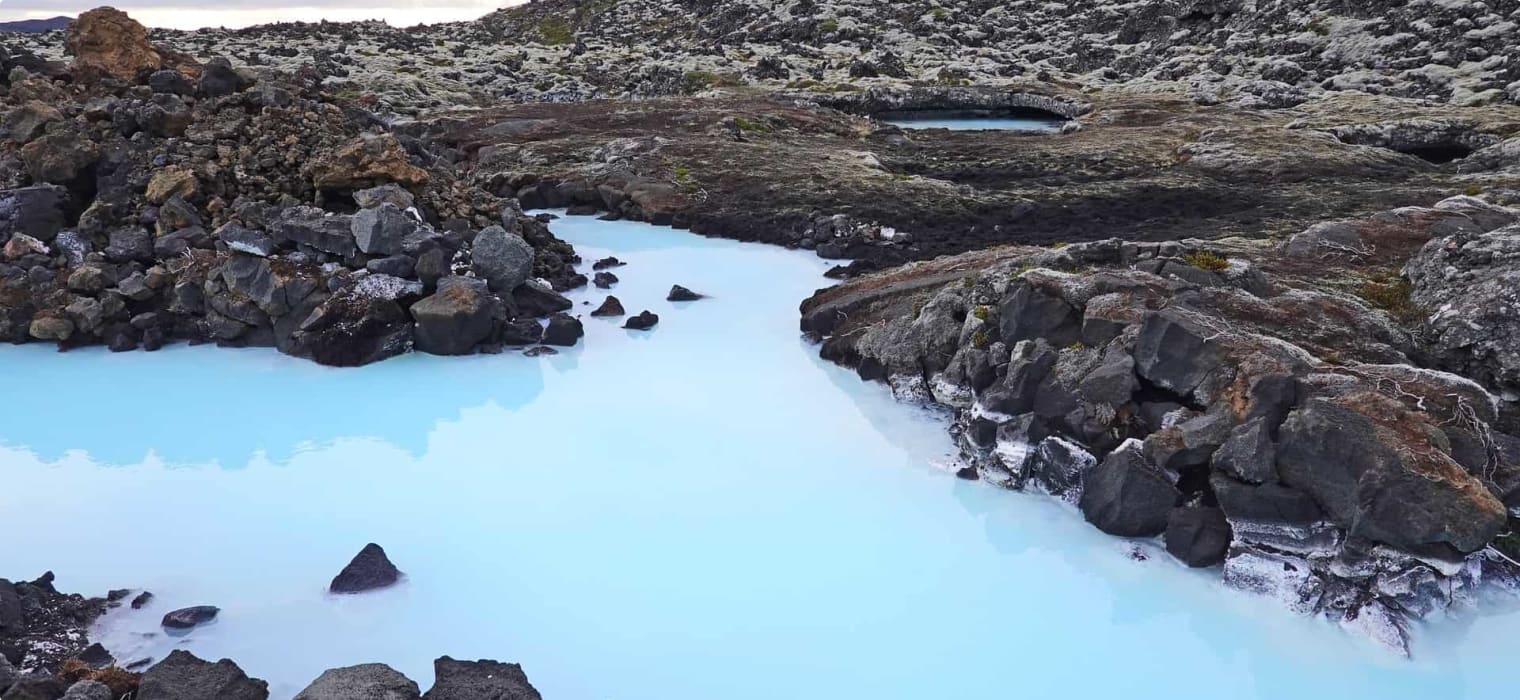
{"points": [[1198, 536], [610, 306], [604, 280], [370, 569], [475, 680], [456, 318], [563, 330], [679, 293], [185, 618], [644, 321]]}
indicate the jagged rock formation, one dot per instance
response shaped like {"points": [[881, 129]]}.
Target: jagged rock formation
{"points": [[1280, 408]]}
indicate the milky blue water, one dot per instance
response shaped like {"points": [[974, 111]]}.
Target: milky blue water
{"points": [[705, 511], [980, 123]]}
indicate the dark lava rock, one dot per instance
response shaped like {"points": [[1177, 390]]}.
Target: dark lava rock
{"points": [[539, 350], [604, 280], [219, 79], [396, 266], [479, 680], [679, 293], [1249, 454], [370, 569], [89, 690], [37, 211], [241, 239], [362, 682], [382, 230], [96, 656], [1268, 503], [170, 81], [183, 676], [1198, 536], [610, 307], [185, 618], [606, 263], [1029, 313], [521, 331], [1174, 352], [1128, 496], [642, 322], [564, 330], [534, 299], [1337, 456], [459, 316]]}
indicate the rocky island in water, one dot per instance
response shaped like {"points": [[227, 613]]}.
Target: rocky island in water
{"points": [[1239, 282]]}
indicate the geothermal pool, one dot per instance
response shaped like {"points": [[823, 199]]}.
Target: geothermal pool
{"points": [[954, 121], [704, 511]]}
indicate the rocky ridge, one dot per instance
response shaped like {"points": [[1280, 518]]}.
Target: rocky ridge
{"points": [[1453, 51]]}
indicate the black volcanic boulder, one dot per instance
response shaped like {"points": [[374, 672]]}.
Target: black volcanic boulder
{"points": [[642, 322], [479, 680], [521, 331], [219, 79], [1197, 536], [1128, 496], [362, 682], [534, 299], [1029, 314], [185, 618], [1175, 352], [604, 280], [36, 688], [456, 318], [370, 569], [611, 306], [183, 676], [608, 262], [1388, 484], [679, 293], [36, 211], [352, 329], [564, 330]]}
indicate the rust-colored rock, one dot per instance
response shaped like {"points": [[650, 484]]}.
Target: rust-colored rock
{"points": [[106, 41], [367, 161], [170, 181]]}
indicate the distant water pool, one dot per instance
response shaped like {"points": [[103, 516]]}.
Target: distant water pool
{"points": [[955, 122], [703, 512]]}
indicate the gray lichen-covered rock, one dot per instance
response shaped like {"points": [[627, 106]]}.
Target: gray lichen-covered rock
{"points": [[503, 258], [362, 682], [1470, 285]]}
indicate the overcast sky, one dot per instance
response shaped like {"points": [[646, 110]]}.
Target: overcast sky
{"points": [[191, 14]]}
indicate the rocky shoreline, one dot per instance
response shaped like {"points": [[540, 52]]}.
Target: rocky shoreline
{"points": [[45, 653], [1328, 419], [1256, 302]]}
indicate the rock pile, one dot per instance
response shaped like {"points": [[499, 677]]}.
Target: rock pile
{"points": [[211, 204]]}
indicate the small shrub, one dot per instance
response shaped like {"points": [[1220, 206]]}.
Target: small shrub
{"points": [[697, 80], [1473, 190], [1319, 26], [939, 13], [753, 125], [980, 339], [968, 281], [918, 309], [1204, 260], [1391, 294], [1076, 346], [982, 313], [828, 25], [555, 31]]}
